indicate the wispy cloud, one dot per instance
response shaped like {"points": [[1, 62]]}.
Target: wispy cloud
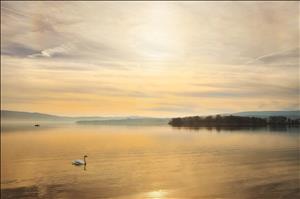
{"points": [[17, 50], [283, 58], [242, 93], [54, 52], [173, 108]]}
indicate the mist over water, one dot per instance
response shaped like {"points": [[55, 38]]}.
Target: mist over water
{"points": [[148, 162]]}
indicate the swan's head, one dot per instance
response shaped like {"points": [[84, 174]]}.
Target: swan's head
{"points": [[85, 156]]}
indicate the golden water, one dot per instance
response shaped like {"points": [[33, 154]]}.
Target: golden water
{"points": [[148, 162]]}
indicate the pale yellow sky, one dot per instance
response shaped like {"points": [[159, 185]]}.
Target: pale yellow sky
{"points": [[149, 58]]}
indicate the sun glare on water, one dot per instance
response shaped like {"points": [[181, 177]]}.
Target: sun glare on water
{"points": [[160, 194]]}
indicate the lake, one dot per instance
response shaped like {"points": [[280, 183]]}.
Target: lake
{"points": [[151, 162]]}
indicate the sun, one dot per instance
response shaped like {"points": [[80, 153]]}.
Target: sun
{"points": [[158, 38]]}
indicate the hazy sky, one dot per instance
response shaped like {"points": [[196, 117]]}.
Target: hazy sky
{"points": [[149, 58]]}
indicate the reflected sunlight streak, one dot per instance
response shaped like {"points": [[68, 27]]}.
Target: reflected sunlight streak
{"points": [[160, 194]]}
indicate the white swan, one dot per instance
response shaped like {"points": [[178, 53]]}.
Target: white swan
{"points": [[80, 162]]}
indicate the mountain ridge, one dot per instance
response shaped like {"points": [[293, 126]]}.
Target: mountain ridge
{"points": [[8, 115], [264, 114]]}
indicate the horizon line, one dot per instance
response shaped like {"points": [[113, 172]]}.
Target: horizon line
{"points": [[58, 115]]}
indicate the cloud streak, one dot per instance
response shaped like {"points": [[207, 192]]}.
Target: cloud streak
{"points": [[54, 52], [285, 57]]}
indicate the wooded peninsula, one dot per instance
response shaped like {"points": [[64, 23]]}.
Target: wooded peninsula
{"points": [[239, 121]]}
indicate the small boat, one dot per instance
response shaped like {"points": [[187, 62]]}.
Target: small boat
{"points": [[36, 125]]}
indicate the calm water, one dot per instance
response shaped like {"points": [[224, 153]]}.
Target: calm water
{"points": [[149, 162]]}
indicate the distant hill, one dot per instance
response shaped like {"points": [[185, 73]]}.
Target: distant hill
{"points": [[38, 117], [129, 121], [18, 116], [27, 116], [265, 114]]}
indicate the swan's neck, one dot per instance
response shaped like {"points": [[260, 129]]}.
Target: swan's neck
{"points": [[84, 160]]}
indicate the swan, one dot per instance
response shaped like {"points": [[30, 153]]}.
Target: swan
{"points": [[80, 162]]}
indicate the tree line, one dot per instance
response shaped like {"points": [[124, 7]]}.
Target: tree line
{"points": [[218, 120]]}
